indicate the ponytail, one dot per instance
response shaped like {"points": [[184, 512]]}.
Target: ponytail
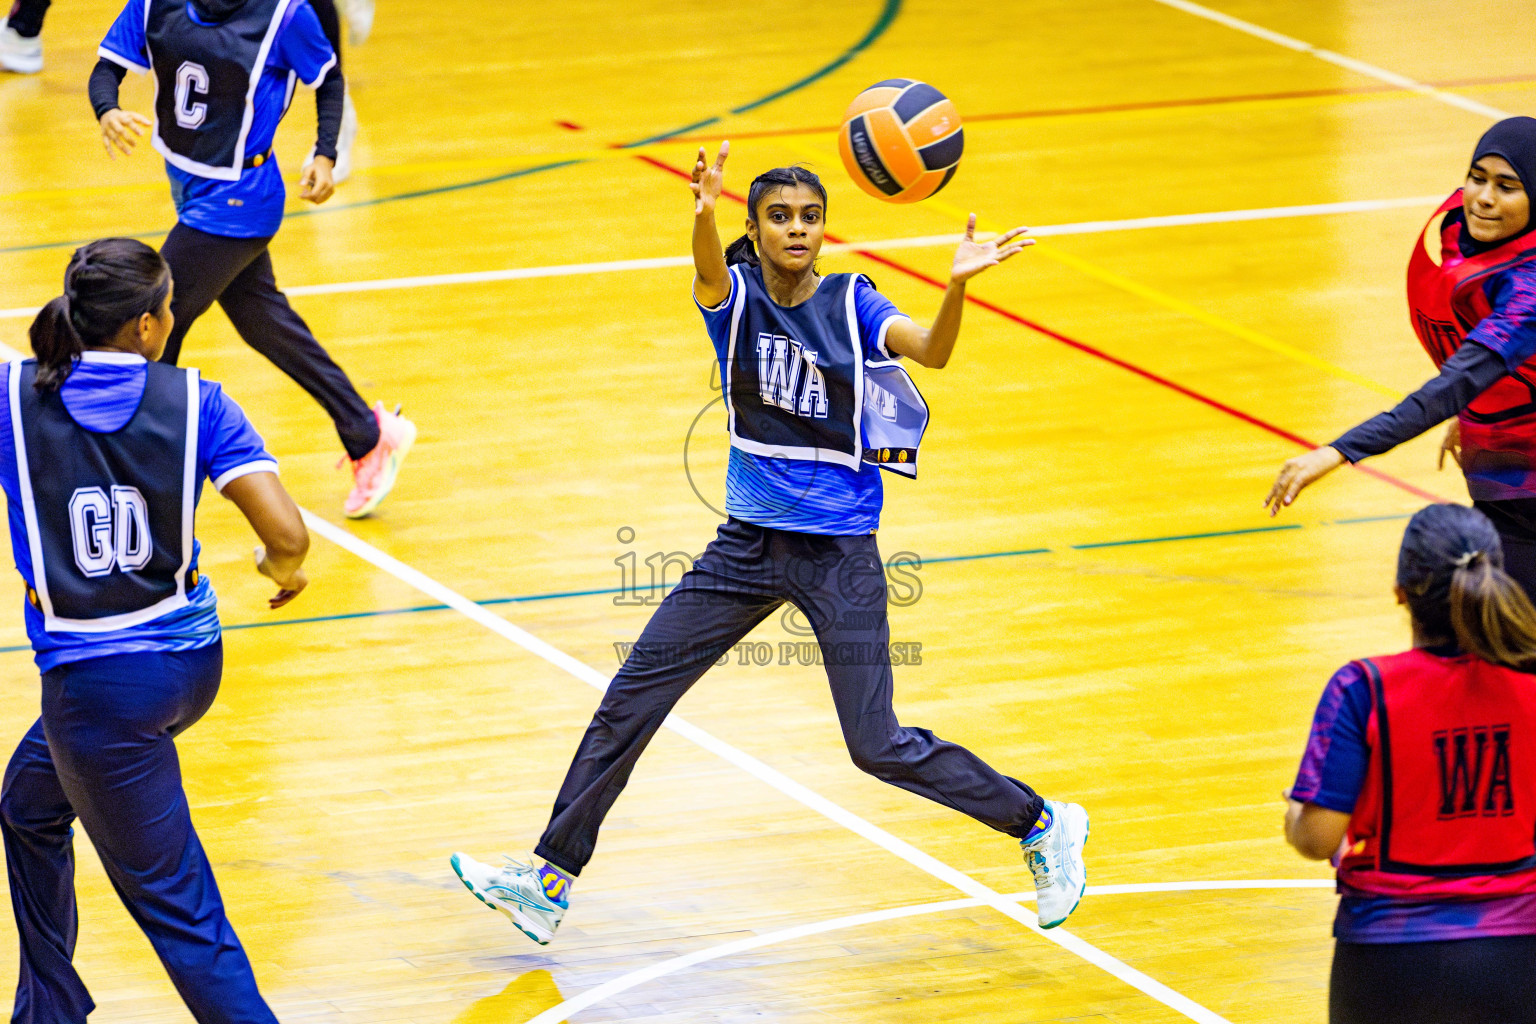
{"points": [[109, 283], [742, 251], [1491, 614], [57, 344], [1451, 570]]}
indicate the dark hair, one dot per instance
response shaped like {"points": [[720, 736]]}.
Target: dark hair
{"points": [[109, 282], [742, 250], [1451, 567]]}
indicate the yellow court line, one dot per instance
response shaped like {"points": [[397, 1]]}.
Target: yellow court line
{"points": [[1150, 294]]}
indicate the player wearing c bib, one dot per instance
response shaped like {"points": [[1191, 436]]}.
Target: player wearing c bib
{"points": [[1420, 781], [817, 401], [103, 452], [225, 71], [1472, 299]]}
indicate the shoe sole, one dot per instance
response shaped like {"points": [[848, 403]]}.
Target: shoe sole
{"points": [[396, 462], [21, 66], [1086, 829], [518, 920]]}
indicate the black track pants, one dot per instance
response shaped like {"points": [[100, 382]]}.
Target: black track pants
{"points": [[237, 273], [747, 572]]}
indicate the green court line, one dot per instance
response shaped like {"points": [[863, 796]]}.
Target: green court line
{"points": [[1187, 536], [985, 555], [888, 13]]}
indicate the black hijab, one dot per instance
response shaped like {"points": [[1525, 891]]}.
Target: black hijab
{"points": [[1514, 139]]}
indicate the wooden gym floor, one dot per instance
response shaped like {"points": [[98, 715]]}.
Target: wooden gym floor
{"points": [[1102, 608]]}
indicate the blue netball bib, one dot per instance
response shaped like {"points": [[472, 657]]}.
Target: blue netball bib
{"points": [[205, 82], [798, 386], [108, 515]]}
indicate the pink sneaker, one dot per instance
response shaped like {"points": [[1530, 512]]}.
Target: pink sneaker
{"points": [[374, 474]]}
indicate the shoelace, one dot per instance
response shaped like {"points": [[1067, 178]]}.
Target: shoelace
{"points": [[1038, 867]]}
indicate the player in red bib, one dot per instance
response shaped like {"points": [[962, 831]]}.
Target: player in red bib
{"points": [[1419, 780], [1472, 297]]}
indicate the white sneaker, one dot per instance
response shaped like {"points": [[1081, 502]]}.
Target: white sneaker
{"points": [[23, 56], [516, 891], [344, 140], [1055, 858], [359, 15]]}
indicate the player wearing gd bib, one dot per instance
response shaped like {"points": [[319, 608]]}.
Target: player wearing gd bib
{"points": [[1420, 781], [816, 401], [225, 72], [103, 452]]}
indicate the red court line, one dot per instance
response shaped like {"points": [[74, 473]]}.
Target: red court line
{"points": [[1087, 349], [1119, 108]]}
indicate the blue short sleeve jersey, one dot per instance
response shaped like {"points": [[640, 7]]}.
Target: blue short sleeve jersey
{"points": [[253, 206], [102, 395], [801, 496]]}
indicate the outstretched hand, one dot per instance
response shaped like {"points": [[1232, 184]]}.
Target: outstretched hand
{"points": [[708, 179], [973, 257], [1299, 473], [121, 129]]}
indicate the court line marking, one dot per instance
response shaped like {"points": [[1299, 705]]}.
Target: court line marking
{"points": [[555, 595], [513, 164], [915, 242], [1339, 59], [673, 965], [770, 776], [1160, 298], [1096, 353], [887, 17]]}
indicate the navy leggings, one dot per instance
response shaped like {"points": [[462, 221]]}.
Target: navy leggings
{"points": [[745, 574], [1466, 981], [104, 751]]}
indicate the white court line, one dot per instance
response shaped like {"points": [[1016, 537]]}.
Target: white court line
{"points": [[984, 895], [673, 965], [921, 241], [1339, 59]]}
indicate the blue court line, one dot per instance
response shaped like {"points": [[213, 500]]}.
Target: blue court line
{"points": [[1187, 536], [887, 17], [1015, 553]]}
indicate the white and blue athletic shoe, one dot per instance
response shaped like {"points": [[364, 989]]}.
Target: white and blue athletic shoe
{"points": [[516, 891], [1055, 858]]}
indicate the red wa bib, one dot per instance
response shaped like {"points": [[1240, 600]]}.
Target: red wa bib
{"points": [[1446, 300], [1448, 809]]}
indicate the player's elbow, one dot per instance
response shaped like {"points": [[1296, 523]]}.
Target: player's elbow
{"points": [[290, 541], [1311, 847]]}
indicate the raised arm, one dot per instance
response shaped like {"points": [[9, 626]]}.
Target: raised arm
{"points": [[711, 280], [276, 520], [932, 346]]}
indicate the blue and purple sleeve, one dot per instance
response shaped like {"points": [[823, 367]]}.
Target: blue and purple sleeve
{"points": [[1334, 766], [228, 445], [876, 313], [301, 46], [124, 42], [1510, 329]]}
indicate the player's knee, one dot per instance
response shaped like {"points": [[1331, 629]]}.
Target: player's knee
{"points": [[880, 759]]}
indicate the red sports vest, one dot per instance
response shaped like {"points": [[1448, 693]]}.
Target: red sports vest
{"points": [[1446, 300], [1448, 810]]}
